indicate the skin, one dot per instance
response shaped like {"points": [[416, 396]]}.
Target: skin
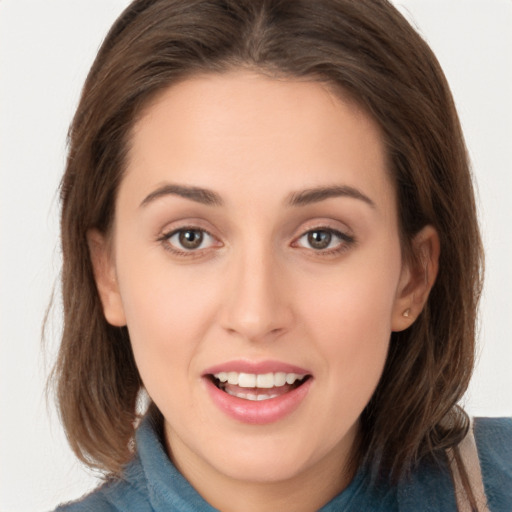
{"points": [[256, 289]]}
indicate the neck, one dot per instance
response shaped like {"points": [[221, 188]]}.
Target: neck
{"points": [[305, 491]]}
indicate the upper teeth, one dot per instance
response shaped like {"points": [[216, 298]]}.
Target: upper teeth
{"points": [[261, 380]]}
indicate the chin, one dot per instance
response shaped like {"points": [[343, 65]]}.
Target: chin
{"points": [[263, 459]]}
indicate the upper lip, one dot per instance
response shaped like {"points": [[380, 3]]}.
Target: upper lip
{"points": [[256, 367]]}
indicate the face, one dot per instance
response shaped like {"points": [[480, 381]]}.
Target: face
{"points": [[255, 259]]}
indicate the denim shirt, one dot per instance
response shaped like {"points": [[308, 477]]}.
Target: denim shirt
{"points": [[151, 483]]}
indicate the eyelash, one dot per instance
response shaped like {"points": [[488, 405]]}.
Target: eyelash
{"points": [[345, 241], [190, 253]]}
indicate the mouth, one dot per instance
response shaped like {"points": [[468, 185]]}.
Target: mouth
{"points": [[257, 393], [257, 386]]}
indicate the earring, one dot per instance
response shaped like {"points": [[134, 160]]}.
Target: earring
{"points": [[407, 313]]}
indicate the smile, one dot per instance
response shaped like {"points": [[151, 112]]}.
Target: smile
{"points": [[257, 387], [258, 396]]}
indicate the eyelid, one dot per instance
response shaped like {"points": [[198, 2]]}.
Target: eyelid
{"points": [[345, 236], [167, 234], [346, 240]]}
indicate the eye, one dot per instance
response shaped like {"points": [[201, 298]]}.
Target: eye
{"points": [[188, 240], [325, 239]]}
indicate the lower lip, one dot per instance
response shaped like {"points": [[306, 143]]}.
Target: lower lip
{"points": [[258, 412]]}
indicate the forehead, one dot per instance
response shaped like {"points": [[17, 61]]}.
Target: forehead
{"points": [[242, 128]]}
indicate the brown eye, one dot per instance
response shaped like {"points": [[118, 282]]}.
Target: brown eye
{"points": [[319, 239], [190, 238], [325, 240]]}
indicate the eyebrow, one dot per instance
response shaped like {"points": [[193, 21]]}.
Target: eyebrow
{"points": [[197, 194], [302, 198], [315, 195]]}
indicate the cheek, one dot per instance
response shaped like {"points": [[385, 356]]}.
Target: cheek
{"points": [[350, 315], [167, 313]]}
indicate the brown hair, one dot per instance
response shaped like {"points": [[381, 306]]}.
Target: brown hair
{"points": [[368, 50]]}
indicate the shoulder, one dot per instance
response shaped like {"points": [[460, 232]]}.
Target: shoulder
{"points": [[430, 487], [493, 438], [126, 494], [95, 501]]}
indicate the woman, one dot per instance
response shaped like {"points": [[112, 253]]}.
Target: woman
{"points": [[268, 224]]}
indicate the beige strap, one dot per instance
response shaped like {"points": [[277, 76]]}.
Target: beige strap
{"points": [[471, 464]]}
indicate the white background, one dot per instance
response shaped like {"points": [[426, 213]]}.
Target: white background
{"points": [[46, 48]]}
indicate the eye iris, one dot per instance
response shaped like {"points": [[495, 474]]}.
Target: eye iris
{"points": [[319, 239], [191, 239]]}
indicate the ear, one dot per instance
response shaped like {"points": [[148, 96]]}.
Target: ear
{"points": [[106, 278], [417, 278]]}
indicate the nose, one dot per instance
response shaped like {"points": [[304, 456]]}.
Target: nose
{"points": [[257, 307]]}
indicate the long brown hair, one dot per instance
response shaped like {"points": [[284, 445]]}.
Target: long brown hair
{"points": [[369, 51]]}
